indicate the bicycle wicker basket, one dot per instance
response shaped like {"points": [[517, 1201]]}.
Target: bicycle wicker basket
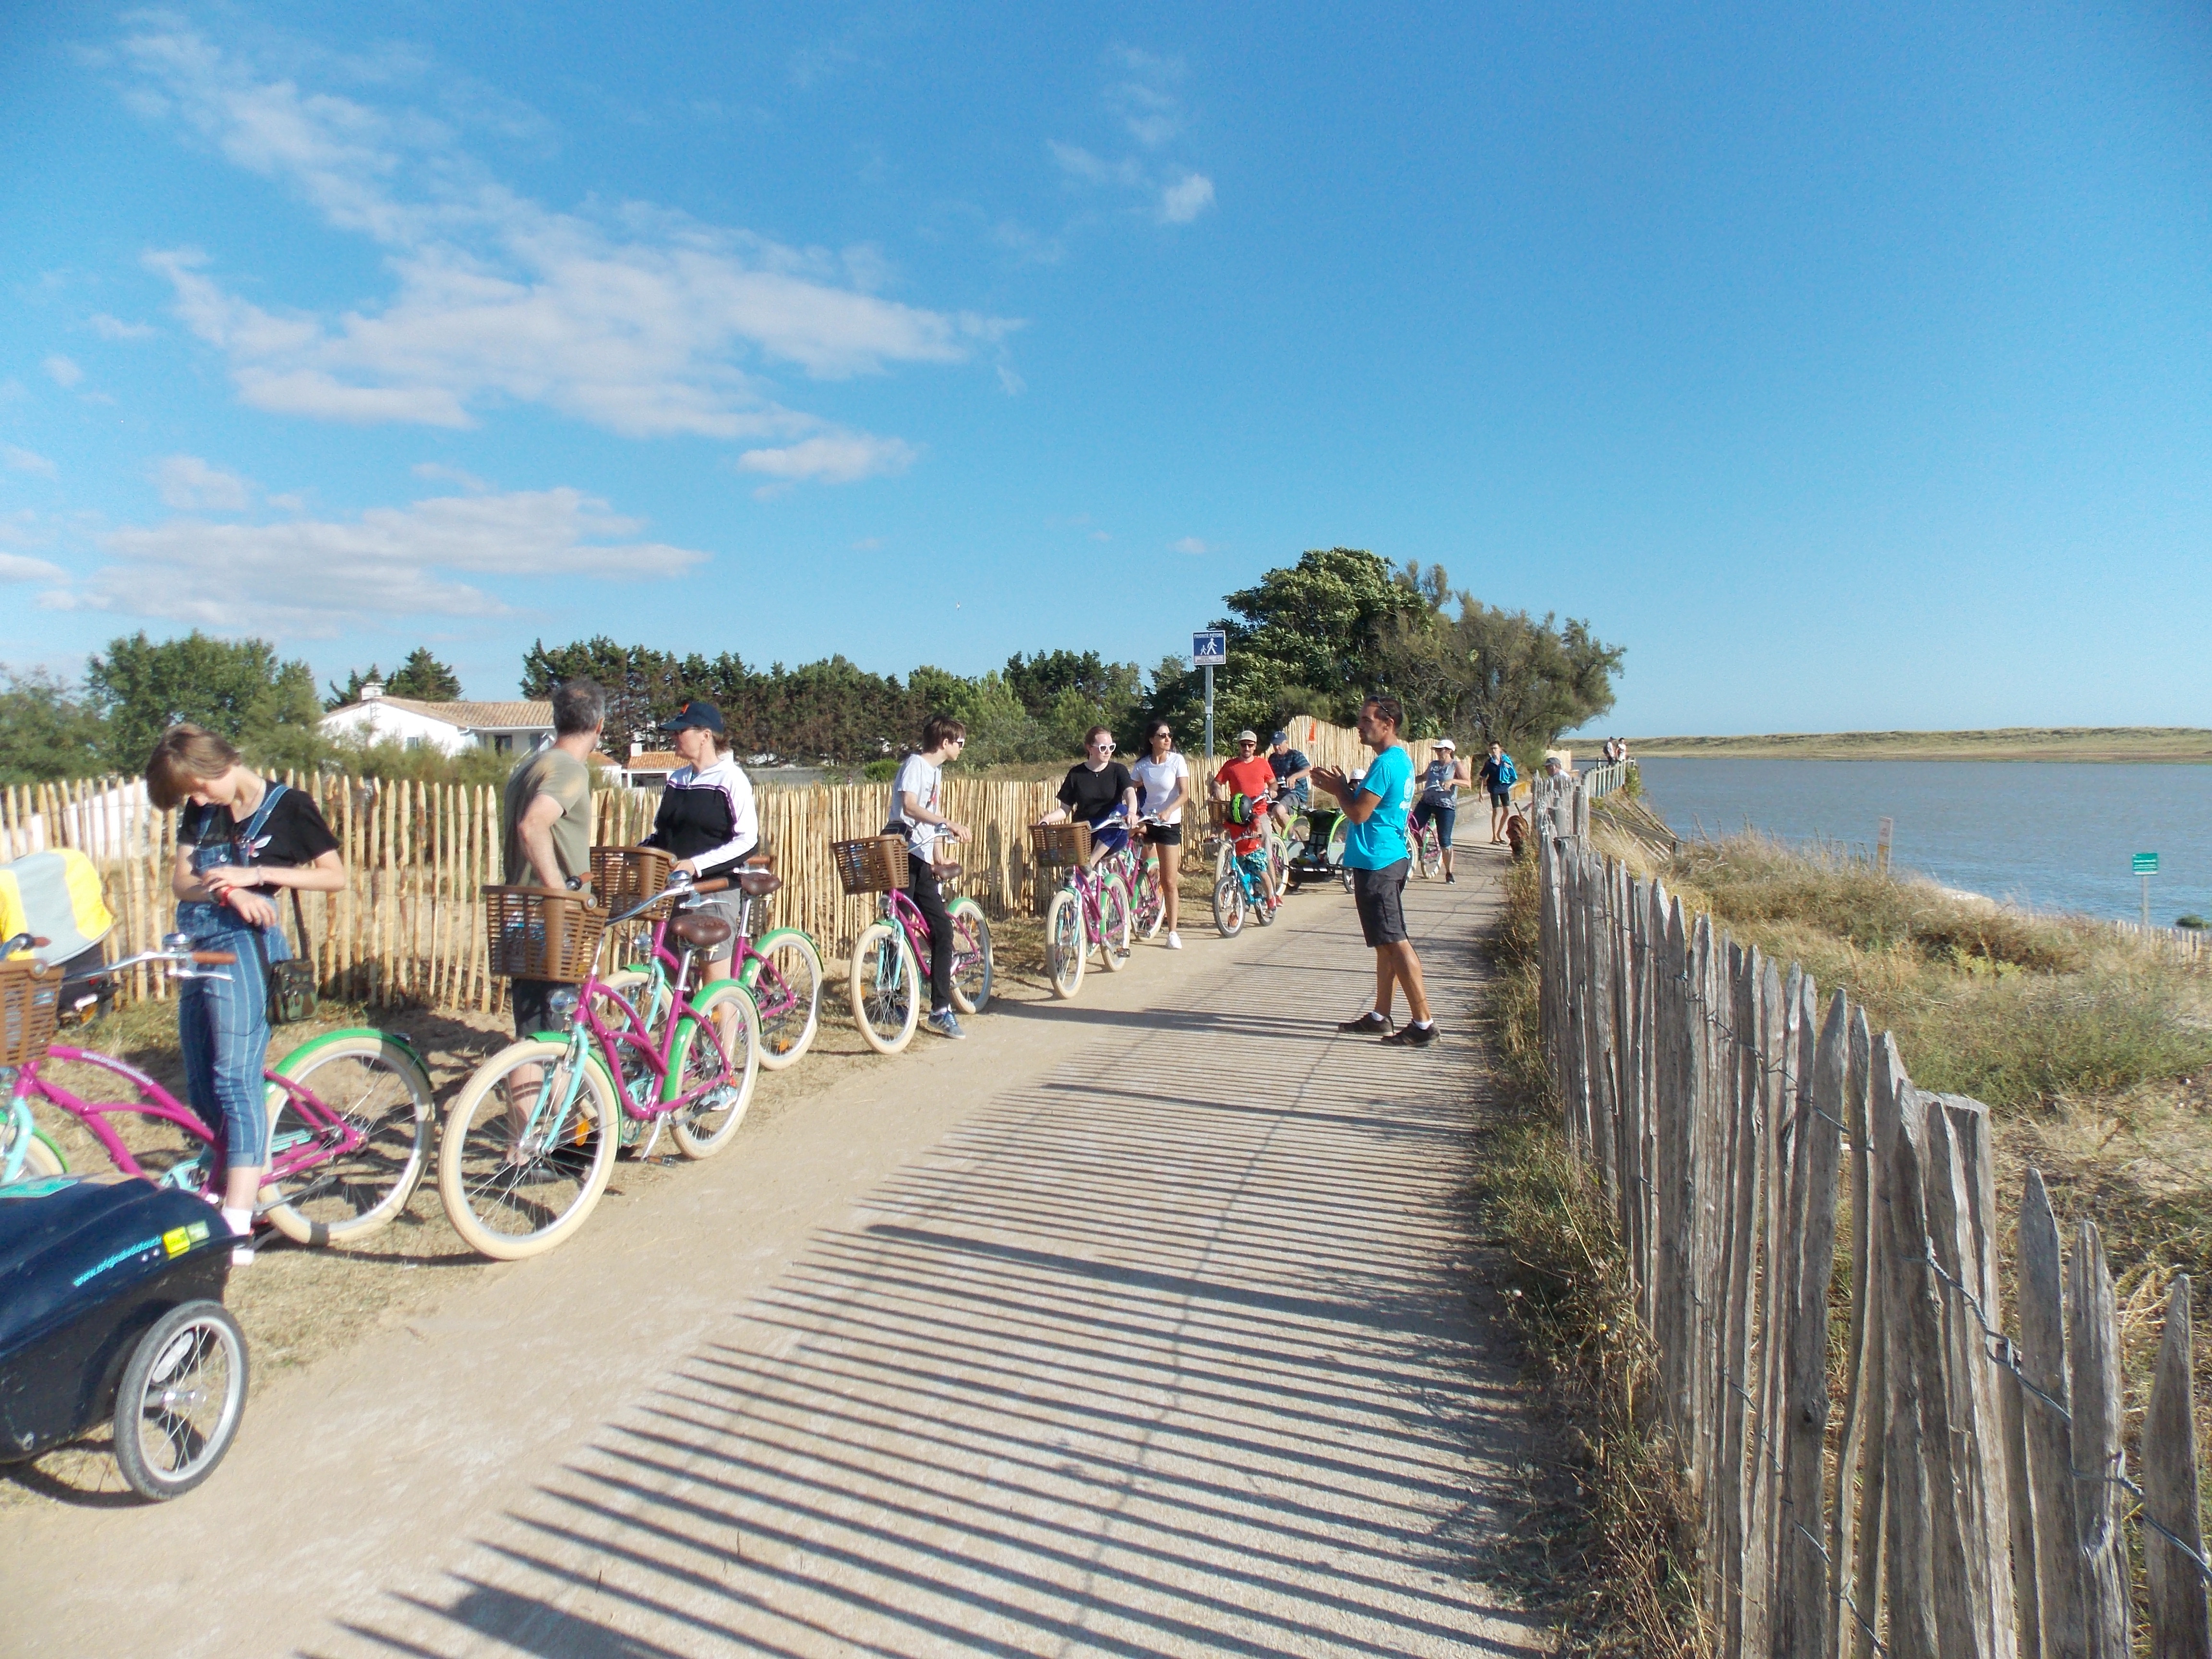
{"points": [[535, 933], [30, 1003], [875, 864], [1060, 843], [622, 876]]}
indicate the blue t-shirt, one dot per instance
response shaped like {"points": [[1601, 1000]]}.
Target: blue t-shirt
{"points": [[1380, 842]]}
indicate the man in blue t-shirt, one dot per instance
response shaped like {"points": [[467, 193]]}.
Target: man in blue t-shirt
{"points": [[1376, 853]]}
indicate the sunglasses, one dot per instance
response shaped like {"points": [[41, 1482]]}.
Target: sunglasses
{"points": [[1104, 748]]}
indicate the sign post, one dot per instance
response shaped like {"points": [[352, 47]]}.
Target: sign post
{"points": [[1208, 650], [1881, 844], [2146, 865]]}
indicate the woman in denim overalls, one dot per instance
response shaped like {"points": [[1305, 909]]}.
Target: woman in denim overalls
{"points": [[222, 1013]]}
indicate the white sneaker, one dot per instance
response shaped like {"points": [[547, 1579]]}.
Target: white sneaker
{"points": [[1174, 939]]}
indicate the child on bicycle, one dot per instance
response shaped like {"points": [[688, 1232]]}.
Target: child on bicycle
{"points": [[918, 814], [1244, 785], [240, 838]]}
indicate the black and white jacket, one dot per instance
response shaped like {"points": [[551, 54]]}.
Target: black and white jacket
{"points": [[707, 814]]}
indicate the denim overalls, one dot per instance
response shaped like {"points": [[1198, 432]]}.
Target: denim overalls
{"points": [[222, 1019]]}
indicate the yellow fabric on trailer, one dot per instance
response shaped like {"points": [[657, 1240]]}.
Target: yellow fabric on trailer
{"points": [[57, 895]]}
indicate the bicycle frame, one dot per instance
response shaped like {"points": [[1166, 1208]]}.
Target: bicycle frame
{"points": [[333, 1135], [668, 973]]}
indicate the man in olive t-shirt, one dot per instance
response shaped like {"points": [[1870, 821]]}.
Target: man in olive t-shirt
{"points": [[545, 823]]}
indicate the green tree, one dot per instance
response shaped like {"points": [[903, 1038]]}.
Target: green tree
{"points": [[1303, 640], [422, 677], [1067, 692], [643, 685], [1498, 676], [46, 732], [1001, 731], [239, 688]]}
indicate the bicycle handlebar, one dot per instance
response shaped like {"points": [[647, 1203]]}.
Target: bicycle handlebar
{"points": [[24, 942]]}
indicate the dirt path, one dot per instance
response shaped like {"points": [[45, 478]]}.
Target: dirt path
{"points": [[1138, 1325]]}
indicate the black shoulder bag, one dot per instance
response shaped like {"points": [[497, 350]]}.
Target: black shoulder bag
{"points": [[292, 994]]}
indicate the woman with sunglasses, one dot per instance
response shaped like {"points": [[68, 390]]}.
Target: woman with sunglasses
{"points": [[1165, 776], [1098, 791]]}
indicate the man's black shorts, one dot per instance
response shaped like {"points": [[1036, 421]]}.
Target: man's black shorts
{"points": [[1377, 893], [530, 1014]]}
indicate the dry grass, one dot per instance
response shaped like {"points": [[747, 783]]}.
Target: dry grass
{"points": [[1607, 1543], [2094, 1050]]}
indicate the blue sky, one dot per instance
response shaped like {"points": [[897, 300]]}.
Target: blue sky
{"points": [[1851, 366]]}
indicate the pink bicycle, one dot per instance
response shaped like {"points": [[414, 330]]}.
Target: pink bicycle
{"points": [[530, 1142], [349, 1120], [888, 983]]}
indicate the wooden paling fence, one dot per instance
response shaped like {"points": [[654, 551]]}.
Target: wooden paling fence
{"points": [[410, 924], [1932, 1485]]}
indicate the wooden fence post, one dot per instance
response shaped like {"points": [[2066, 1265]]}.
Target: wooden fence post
{"points": [[2040, 1297], [2093, 1353], [2179, 1628]]}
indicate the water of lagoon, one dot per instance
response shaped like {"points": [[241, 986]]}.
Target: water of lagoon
{"points": [[2051, 836]]}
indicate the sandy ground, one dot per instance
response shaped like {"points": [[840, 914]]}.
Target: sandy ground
{"points": [[1148, 1323]]}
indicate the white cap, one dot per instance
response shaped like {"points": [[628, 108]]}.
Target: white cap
{"points": [[1445, 743]]}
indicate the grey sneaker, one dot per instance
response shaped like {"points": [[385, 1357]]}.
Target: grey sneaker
{"points": [[1412, 1036], [947, 1023], [1369, 1023]]}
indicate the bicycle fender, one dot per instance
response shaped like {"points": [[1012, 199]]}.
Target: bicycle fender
{"points": [[349, 1032], [766, 944]]}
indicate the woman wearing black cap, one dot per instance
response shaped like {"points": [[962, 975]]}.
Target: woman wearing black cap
{"points": [[706, 816]]}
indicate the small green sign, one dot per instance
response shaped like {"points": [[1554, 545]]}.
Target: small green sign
{"points": [[2146, 864]]}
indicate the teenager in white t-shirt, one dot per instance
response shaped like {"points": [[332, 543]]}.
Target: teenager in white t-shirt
{"points": [[918, 812], [1165, 776]]}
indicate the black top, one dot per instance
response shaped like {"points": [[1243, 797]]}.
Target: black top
{"points": [[695, 819], [293, 834], [1090, 796]]}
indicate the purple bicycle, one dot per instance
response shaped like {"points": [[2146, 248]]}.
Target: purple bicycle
{"points": [[349, 1120], [887, 982]]}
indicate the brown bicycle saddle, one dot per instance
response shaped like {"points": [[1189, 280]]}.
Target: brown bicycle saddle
{"points": [[946, 872], [759, 883], [702, 931]]}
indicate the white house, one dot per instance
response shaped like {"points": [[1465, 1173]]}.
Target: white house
{"points": [[450, 727]]}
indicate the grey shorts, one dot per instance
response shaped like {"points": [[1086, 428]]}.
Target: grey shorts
{"points": [[1376, 894]]}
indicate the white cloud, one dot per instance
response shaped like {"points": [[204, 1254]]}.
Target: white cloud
{"points": [[187, 483], [831, 457], [1190, 544], [315, 578], [114, 328], [1185, 200], [1145, 99], [64, 372], [15, 567], [439, 472], [1079, 163], [24, 460], [643, 322]]}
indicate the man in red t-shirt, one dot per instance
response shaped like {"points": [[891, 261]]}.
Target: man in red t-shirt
{"points": [[1249, 774]]}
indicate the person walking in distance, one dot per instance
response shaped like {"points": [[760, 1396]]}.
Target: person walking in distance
{"points": [[1165, 776], [1498, 777], [1440, 802], [918, 813], [1376, 853], [546, 825]]}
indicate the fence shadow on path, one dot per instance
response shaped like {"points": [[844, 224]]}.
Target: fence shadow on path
{"points": [[1168, 1351]]}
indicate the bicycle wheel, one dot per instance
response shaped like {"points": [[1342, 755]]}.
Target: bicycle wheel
{"points": [[1228, 905], [1113, 909], [971, 957], [377, 1086], [1433, 852], [724, 1067], [25, 1148], [509, 1199], [1151, 904], [1300, 831], [1338, 838], [1279, 870], [1063, 947], [180, 1401], [886, 987], [1265, 906], [785, 982]]}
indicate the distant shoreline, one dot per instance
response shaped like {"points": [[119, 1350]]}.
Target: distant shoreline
{"points": [[2180, 745]]}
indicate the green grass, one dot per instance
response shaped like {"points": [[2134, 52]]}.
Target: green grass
{"points": [[2054, 742]]}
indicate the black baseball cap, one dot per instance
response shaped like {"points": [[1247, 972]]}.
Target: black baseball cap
{"points": [[695, 713]]}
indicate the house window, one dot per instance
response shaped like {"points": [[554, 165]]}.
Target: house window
{"points": [[503, 742]]}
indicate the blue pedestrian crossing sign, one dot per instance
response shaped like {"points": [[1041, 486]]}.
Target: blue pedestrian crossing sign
{"points": [[1209, 649], [2146, 864]]}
